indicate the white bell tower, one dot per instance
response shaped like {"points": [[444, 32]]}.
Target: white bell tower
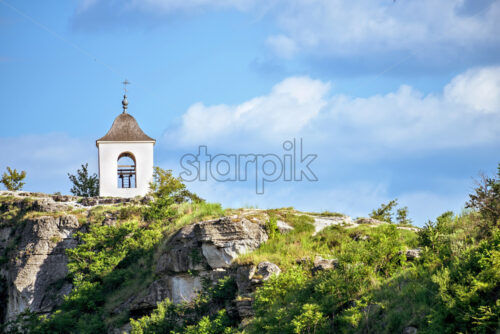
{"points": [[125, 157]]}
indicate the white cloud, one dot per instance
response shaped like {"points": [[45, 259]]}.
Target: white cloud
{"points": [[286, 110], [477, 89], [426, 29], [465, 114]]}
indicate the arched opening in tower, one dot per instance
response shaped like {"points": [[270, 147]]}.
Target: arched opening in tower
{"points": [[126, 170]]}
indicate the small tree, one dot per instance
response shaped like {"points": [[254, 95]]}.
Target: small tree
{"points": [[12, 179], [83, 184], [486, 198], [166, 185], [402, 216], [167, 190], [384, 213]]}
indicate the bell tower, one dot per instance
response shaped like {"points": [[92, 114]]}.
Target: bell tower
{"points": [[125, 157]]}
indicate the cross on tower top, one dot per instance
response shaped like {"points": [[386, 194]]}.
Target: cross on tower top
{"points": [[125, 83], [125, 101]]}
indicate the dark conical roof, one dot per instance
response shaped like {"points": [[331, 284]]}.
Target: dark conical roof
{"points": [[125, 128]]}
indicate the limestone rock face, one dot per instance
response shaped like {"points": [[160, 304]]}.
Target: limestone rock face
{"points": [[203, 252], [208, 249], [179, 288], [183, 253], [210, 245], [248, 278], [35, 275], [224, 239], [244, 275]]}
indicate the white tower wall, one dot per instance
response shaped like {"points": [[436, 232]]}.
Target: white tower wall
{"points": [[108, 167]]}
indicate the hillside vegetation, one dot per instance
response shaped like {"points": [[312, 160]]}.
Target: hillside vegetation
{"points": [[443, 278]]}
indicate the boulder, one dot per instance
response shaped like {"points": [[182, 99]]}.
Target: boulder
{"points": [[321, 264], [413, 254], [360, 237], [283, 227], [320, 223], [408, 228], [147, 199], [265, 270], [410, 330]]}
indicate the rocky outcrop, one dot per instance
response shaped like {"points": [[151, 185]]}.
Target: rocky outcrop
{"points": [[210, 245], [197, 253], [413, 254], [265, 270], [204, 252], [27, 204], [37, 270], [321, 264], [248, 278], [283, 227], [320, 223]]}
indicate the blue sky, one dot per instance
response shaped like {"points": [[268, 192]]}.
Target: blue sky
{"points": [[398, 99]]}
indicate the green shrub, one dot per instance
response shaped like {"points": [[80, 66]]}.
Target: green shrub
{"points": [[486, 199], [402, 216], [12, 179], [165, 185], [84, 185], [384, 213], [187, 213], [310, 320], [468, 291], [194, 317], [272, 227], [221, 324], [167, 191]]}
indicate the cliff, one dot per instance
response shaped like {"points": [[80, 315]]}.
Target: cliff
{"points": [[97, 265], [36, 230]]}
